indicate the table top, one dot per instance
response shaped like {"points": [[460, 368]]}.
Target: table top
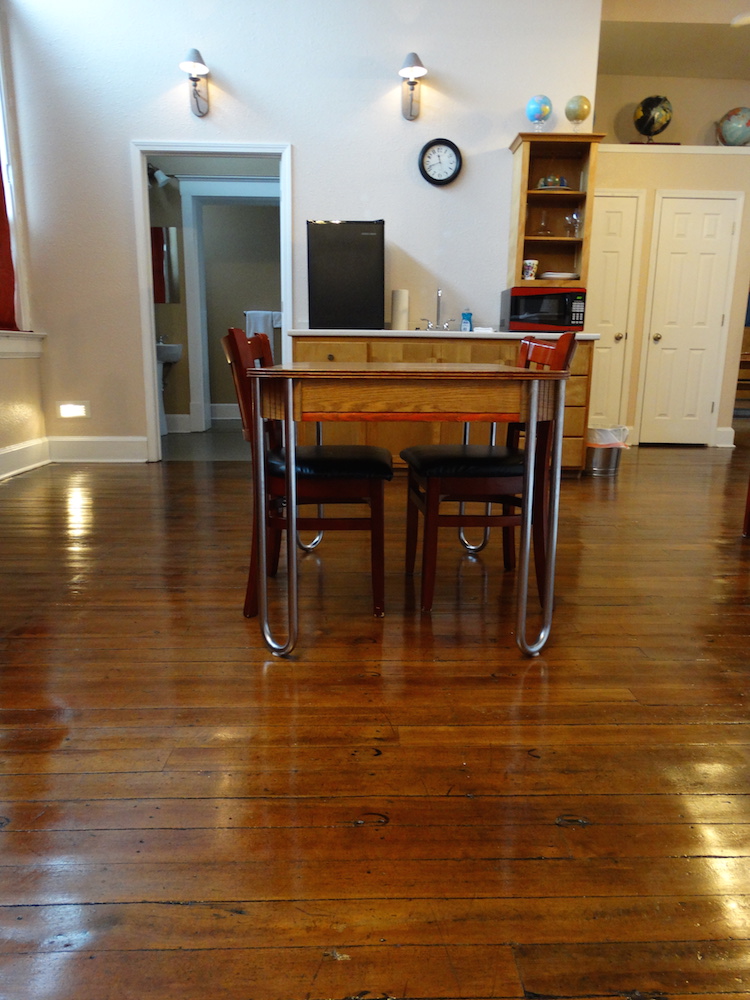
{"points": [[397, 390]]}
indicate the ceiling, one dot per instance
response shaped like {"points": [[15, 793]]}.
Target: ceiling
{"points": [[651, 48]]}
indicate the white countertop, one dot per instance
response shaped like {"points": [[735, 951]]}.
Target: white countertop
{"points": [[432, 334]]}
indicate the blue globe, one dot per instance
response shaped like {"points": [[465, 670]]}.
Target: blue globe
{"points": [[733, 128], [538, 109]]}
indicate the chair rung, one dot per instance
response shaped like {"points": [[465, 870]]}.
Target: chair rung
{"points": [[326, 523], [478, 520]]}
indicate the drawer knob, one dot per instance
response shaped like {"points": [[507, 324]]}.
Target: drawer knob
{"points": [[330, 357]]}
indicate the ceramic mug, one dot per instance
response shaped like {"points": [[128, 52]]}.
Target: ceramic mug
{"points": [[529, 269]]}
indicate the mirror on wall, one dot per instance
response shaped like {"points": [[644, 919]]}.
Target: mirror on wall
{"points": [[165, 264]]}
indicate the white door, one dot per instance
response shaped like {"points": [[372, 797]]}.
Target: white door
{"points": [[684, 330], [610, 294]]}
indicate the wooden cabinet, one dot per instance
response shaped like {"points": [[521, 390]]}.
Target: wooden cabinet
{"points": [[553, 181], [396, 435]]}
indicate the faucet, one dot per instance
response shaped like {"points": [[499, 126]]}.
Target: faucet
{"points": [[436, 325]]}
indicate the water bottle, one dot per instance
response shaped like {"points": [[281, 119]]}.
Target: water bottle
{"points": [[466, 323]]}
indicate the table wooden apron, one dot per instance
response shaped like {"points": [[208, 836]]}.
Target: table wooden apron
{"points": [[309, 391]]}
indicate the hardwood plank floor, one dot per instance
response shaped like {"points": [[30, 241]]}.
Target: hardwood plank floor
{"points": [[405, 807]]}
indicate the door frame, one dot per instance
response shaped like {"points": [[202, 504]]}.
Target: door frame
{"points": [[715, 436], [139, 153]]}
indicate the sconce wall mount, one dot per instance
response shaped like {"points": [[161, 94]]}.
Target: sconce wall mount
{"points": [[197, 71], [411, 72]]}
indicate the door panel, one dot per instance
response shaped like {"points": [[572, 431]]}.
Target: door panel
{"points": [[608, 302], [684, 331]]}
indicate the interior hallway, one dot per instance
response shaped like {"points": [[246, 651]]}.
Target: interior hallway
{"points": [[406, 807]]}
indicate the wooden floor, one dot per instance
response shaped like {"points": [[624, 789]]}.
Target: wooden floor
{"points": [[406, 807]]}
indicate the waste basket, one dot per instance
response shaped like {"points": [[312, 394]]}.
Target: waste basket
{"points": [[604, 445]]}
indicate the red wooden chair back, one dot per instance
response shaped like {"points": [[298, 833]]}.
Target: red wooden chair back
{"points": [[555, 356], [242, 353]]}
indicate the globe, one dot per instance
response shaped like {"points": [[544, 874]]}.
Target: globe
{"points": [[652, 116], [538, 109], [578, 109], [733, 129]]}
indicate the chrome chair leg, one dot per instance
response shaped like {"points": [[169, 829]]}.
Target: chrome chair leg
{"points": [[474, 549], [311, 546]]}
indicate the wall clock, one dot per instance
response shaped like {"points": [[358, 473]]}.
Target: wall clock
{"points": [[440, 161]]}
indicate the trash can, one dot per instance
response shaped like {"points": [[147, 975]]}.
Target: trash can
{"points": [[604, 445]]}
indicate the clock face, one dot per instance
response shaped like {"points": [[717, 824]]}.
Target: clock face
{"points": [[440, 161]]}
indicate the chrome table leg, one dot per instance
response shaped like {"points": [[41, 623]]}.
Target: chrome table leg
{"points": [[279, 648], [533, 647]]}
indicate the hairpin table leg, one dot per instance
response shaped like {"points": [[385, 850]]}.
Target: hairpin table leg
{"points": [[259, 477], [533, 648]]}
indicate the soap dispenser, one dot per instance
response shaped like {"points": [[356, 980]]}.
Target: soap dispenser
{"points": [[466, 321]]}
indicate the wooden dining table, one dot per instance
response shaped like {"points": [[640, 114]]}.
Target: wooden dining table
{"points": [[371, 391]]}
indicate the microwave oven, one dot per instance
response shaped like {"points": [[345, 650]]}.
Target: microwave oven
{"points": [[540, 310]]}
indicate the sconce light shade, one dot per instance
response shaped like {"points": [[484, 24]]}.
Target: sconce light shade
{"points": [[194, 65], [411, 71], [413, 67]]}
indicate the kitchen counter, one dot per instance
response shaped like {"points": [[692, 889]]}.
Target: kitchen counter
{"points": [[430, 346], [447, 334]]}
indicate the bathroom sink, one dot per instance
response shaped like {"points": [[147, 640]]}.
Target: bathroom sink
{"points": [[168, 353]]}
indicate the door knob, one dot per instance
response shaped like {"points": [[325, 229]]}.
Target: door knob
{"points": [[657, 338], [619, 336]]}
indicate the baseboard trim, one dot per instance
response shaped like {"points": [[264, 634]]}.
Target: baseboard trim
{"points": [[724, 437], [18, 458], [98, 449], [178, 423], [225, 411]]}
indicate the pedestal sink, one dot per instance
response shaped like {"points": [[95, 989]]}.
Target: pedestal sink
{"points": [[166, 356]]}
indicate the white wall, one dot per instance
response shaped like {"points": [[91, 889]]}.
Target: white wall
{"points": [[90, 78]]}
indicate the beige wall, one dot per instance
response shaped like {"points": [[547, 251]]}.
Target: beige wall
{"points": [[241, 245], [696, 107], [653, 170], [23, 441], [698, 11], [321, 77], [21, 417]]}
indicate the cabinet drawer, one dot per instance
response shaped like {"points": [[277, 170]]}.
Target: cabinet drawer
{"points": [[330, 350]]}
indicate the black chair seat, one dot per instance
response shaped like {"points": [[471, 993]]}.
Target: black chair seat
{"points": [[356, 461], [467, 461], [489, 474]]}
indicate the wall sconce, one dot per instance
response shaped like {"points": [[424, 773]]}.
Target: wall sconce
{"points": [[197, 71], [157, 177], [412, 69]]}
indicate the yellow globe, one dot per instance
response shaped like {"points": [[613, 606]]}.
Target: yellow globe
{"points": [[578, 109]]}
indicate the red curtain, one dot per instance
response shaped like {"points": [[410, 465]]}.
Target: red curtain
{"points": [[7, 275]]}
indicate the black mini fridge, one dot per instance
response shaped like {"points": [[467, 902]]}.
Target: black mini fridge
{"points": [[346, 275]]}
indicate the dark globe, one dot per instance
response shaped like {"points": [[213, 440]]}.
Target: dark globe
{"points": [[652, 116]]}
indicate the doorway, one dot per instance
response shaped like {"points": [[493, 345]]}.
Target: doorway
{"points": [[235, 162], [610, 300], [685, 330]]}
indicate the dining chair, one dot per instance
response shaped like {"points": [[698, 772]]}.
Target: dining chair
{"points": [[487, 474], [326, 475]]}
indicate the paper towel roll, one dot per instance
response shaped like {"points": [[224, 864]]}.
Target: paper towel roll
{"points": [[400, 309]]}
